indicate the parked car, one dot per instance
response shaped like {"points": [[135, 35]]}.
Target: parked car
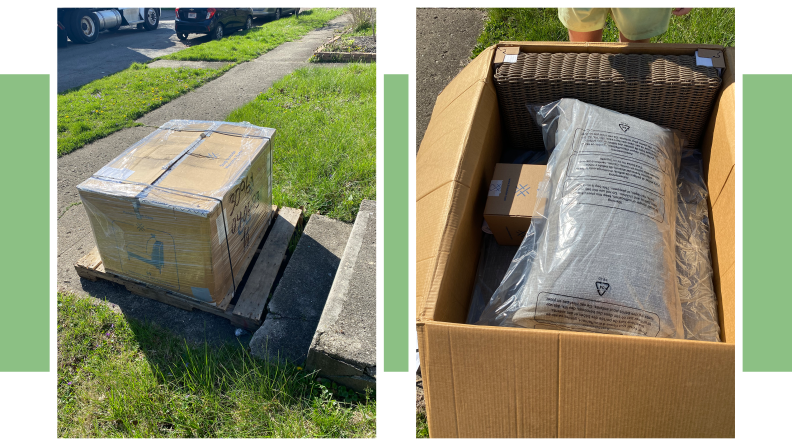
{"points": [[217, 22], [276, 13]]}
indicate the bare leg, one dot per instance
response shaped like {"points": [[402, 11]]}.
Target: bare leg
{"points": [[624, 39], [585, 36]]}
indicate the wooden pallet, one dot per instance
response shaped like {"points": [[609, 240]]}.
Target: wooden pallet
{"points": [[249, 308]]}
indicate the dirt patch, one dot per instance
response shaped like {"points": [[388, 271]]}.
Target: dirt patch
{"points": [[353, 44]]}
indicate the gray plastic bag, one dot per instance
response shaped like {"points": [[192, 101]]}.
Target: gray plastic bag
{"points": [[600, 255]]}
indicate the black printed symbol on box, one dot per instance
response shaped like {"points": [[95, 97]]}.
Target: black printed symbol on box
{"points": [[624, 127], [521, 233], [522, 190], [495, 187], [602, 287]]}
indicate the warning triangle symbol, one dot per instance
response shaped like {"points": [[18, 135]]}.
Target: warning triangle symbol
{"points": [[602, 287], [624, 126]]}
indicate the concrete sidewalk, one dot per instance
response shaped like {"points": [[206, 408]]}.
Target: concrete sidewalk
{"points": [[213, 101]]}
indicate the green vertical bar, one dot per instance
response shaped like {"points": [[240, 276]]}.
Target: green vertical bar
{"points": [[24, 180], [395, 224], [767, 244]]}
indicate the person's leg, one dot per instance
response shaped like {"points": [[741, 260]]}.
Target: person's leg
{"points": [[585, 36], [584, 24], [640, 24], [622, 38]]}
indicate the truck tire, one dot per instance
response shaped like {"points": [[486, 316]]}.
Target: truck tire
{"points": [[277, 14], [67, 24], [150, 19], [182, 36], [248, 23], [84, 26]]}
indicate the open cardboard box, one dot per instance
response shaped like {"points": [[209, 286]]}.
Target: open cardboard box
{"points": [[513, 382]]}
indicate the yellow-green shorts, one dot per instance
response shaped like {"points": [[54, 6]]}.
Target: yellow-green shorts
{"points": [[634, 23]]}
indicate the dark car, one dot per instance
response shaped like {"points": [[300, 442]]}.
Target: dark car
{"points": [[275, 13], [217, 22]]}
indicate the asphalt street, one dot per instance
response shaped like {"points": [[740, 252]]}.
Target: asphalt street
{"points": [[445, 39], [79, 64], [212, 101]]}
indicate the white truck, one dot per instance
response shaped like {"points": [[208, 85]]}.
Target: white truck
{"points": [[82, 25]]}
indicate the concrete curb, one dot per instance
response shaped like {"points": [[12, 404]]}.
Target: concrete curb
{"points": [[343, 348]]}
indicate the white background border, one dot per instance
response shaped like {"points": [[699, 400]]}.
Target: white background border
{"points": [[28, 408]]}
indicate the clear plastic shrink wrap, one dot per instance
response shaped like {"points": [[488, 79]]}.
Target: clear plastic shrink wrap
{"points": [[600, 254], [182, 207], [694, 266]]}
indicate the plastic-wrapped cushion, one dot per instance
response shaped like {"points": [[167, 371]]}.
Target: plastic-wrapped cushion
{"points": [[604, 257], [694, 265]]}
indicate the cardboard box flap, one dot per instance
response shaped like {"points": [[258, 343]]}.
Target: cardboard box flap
{"points": [[448, 165], [724, 286], [487, 389], [478, 70], [430, 210], [722, 249], [718, 143], [610, 387], [505, 382], [442, 151]]}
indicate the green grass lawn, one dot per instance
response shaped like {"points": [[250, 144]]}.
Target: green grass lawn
{"points": [[421, 426], [325, 146], [702, 25], [123, 378], [364, 29], [114, 102], [247, 45]]}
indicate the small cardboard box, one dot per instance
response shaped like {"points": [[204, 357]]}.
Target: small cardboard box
{"points": [[181, 208], [506, 54], [482, 381], [510, 201]]}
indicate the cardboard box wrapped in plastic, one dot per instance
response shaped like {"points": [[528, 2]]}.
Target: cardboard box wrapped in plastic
{"points": [[183, 207]]}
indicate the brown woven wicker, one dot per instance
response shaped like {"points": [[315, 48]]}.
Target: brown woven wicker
{"points": [[671, 91]]}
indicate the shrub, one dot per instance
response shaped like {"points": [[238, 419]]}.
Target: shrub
{"points": [[363, 19]]}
